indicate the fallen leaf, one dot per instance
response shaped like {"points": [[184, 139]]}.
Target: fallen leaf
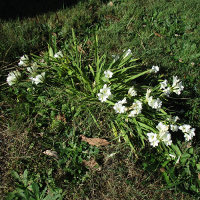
{"points": [[157, 34], [92, 164], [51, 153], [199, 176], [95, 141]]}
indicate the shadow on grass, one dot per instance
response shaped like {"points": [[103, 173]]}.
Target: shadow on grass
{"points": [[12, 9]]}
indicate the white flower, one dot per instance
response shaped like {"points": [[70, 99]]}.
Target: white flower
{"points": [[163, 84], [119, 108], [162, 127], [165, 137], [33, 68], [102, 97], [177, 85], [123, 101], [104, 93], [148, 94], [108, 74], [24, 60], [191, 132], [174, 128], [137, 108], [59, 54], [167, 91], [175, 119], [178, 88], [152, 137], [132, 92], [187, 137], [13, 77], [127, 53], [105, 90], [38, 79], [154, 103], [175, 81], [155, 69], [185, 128]]}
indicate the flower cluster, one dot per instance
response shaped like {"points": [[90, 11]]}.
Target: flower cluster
{"points": [[162, 136], [13, 77], [176, 87], [35, 78], [119, 107], [38, 79], [154, 103], [105, 93], [189, 132], [136, 109]]}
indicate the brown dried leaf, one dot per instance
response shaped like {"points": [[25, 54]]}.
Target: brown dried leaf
{"points": [[92, 164], [162, 169], [95, 141], [51, 153], [157, 34]]}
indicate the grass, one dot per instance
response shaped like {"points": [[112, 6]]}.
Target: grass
{"points": [[158, 32]]}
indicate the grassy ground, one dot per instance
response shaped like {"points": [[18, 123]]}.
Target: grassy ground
{"points": [[163, 33]]}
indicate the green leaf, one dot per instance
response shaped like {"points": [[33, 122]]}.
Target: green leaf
{"points": [[36, 190], [50, 51], [16, 176], [136, 76]]}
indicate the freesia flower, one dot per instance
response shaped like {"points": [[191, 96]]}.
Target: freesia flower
{"points": [[119, 108], [24, 60], [59, 54], [127, 53], [38, 79], [33, 68], [174, 128], [132, 92], [177, 85], [162, 127], [137, 108], [152, 137], [155, 69], [185, 128], [167, 91], [148, 94], [163, 84], [104, 93], [13, 77], [108, 74], [154, 103], [165, 137]]}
